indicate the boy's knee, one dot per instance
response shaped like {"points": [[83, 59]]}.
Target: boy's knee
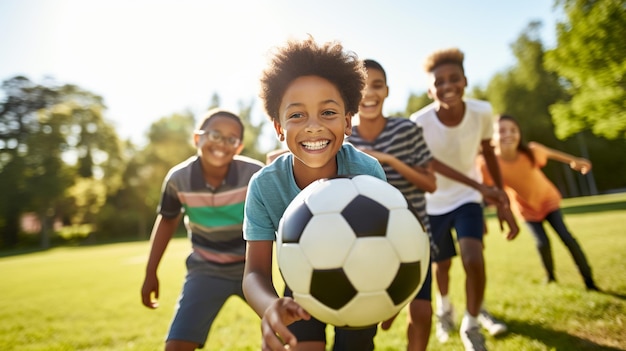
{"points": [[420, 312]]}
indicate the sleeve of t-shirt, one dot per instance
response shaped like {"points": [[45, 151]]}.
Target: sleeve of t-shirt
{"points": [[541, 158], [421, 153], [488, 120], [257, 224], [170, 205]]}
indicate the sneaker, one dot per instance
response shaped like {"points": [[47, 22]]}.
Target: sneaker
{"points": [[473, 339], [490, 323], [444, 325]]}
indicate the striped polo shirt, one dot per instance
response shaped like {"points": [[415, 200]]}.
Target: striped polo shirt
{"points": [[404, 140], [213, 217]]}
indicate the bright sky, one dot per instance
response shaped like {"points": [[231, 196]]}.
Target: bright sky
{"points": [[151, 58]]}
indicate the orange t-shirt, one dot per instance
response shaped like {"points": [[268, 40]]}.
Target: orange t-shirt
{"points": [[533, 196]]}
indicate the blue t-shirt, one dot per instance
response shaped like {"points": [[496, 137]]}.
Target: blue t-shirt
{"points": [[273, 188]]}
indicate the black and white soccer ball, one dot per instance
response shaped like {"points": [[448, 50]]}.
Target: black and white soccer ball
{"points": [[352, 250]]}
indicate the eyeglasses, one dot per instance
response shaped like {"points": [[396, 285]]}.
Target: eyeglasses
{"points": [[214, 136]]}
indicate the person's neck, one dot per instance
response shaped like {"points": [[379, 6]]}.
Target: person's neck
{"points": [[451, 115], [305, 175], [214, 176], [370, 128]]}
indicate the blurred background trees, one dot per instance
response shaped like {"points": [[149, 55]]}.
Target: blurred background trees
{"points": [[66, 176]]}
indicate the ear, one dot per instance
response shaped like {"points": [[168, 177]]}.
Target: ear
{"points": [[196, 139], [279, 130], [239, 149], [387, 93], [430, 94], [348, 130]]}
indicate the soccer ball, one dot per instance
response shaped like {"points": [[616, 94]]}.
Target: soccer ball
{"points": [[352, 250]]}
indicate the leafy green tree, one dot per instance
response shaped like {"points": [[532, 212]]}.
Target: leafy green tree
{"points": [[416, 102], [253, 132], [527, 89], [51, 135], [589, 56]]}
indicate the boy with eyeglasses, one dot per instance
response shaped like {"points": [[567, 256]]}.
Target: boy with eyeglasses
{"points": [[209, 189]]}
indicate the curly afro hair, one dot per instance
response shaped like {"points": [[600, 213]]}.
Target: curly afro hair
{"points": [[299, 58], [445, 56]]}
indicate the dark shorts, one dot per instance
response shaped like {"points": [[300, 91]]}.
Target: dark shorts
{"points": [[199, 303], [468, 222], [425, 292], [357, 339]]}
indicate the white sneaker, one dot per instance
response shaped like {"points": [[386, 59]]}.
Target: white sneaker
{"points": [[473, 339], [444, 325], [490, 323]]}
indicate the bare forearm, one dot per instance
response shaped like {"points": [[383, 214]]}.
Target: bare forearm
{"points": [[453, 174], [422, 180], [161, 235], [259, 294]]}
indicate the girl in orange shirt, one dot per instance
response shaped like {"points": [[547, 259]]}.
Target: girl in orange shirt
{"points": [[533, 196]]}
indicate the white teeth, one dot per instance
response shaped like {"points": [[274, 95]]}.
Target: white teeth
{"points": [[219, 153], [369, 103], [315, 145]]}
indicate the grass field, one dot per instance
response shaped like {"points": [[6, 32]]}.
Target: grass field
{"points": [[87, 298]]}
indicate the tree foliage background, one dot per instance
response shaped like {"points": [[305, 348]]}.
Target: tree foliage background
{"points": [[62, 162], [590, 58]]}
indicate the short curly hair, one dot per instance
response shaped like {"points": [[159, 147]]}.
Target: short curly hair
{"points": [[299, 58], [444, 56]]}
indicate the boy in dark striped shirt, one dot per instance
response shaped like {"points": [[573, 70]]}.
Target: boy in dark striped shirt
{"points": [[209, 190], [398, 144]]}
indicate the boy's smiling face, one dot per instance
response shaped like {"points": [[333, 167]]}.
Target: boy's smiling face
{"points": [[314, 123], [219, 153], [374, 95], [446, 84]]}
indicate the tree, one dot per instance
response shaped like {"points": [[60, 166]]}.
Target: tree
{"points": [[416, 102], [590, 56], [50, 136]]}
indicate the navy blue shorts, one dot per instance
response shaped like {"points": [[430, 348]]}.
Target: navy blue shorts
{"points": [[425, 292], [199, 303], [468, 222]]}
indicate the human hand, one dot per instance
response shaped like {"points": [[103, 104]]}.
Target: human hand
{"points": [[581, 164], [505, 215], [149, 288], [276, 318], [494, 196], [385, 325]]}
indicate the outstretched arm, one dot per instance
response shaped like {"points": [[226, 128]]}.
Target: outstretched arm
{"points": [[490, 193], [161, 235], [503, 208], [421, 177], [276, 313], [579, 164]]}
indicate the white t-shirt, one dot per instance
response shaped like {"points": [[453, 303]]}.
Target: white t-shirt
{"points": [[457, 147]]}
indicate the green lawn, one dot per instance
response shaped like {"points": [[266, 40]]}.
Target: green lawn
{"points": [[87, 298]]}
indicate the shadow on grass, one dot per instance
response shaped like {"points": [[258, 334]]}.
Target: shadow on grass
{"points": [[86, 242], [591, 208], [610, 206], [614, 294], [554, 339]]}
